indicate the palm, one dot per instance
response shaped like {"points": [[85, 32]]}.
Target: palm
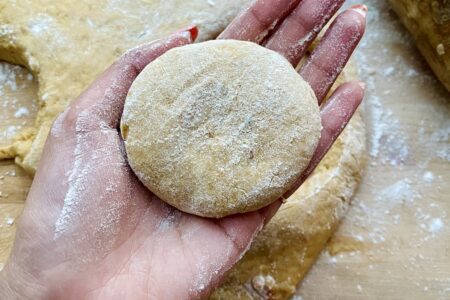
{"points": [[107, 243], [101, 233]]}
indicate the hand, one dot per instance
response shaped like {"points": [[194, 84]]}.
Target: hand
{"points": [[90, 229]]}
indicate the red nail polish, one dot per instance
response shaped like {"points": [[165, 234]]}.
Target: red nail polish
{"points": [[193, 31]]}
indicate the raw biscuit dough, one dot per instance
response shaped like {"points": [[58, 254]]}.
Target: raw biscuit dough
{"points": [[220, 127], [59, 41], [428, 21]]}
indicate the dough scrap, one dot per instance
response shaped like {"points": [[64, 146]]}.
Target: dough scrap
{"points": [[428, 21], [220, 127], [66, 44]]}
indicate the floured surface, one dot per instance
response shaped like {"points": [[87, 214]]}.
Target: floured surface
{"points": [[17, 95], [55, 41], [220, 127], [394, 242]]}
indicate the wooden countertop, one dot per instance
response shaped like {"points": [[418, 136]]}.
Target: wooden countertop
{"points": [[395, 241]]}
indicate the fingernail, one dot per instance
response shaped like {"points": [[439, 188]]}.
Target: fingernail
{"points": [[193, 31], [362, 85], [361, 9]]}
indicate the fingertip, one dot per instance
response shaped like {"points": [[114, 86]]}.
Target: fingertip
{"points": [[360, 89], [354, 19], [191, 32], [355, 85], [361, 9], [362, 85], [269, 211], [358, 16]]}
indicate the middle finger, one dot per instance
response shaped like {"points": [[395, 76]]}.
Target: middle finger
{"points": [[294, 35], [255, 22], [334, 50]]}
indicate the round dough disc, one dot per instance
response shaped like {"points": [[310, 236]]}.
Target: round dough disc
{"points": [[220, 127]]}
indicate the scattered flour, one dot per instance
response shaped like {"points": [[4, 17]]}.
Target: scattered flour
{"points": [[15, 80], [9, 221], [11, 131], [390, 144], [435, 225], [437, 142], [23, 111], [43, 25], [398, 193], [428, 177], [8, 77], [402, 220]]}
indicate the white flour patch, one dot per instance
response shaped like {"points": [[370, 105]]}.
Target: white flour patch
{"points": [[9, 221], [428, 177], [100, 199], [93, 150], [8, 77], [14, 106], [11, 131], [386, 142], [40, 25], [435, 225], [398, 193], [45, 26], [78, 180], [437, 142], [5, 30], [22, 111]]}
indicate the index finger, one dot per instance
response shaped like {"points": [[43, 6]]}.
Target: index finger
{"points": [[254, 23]]}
